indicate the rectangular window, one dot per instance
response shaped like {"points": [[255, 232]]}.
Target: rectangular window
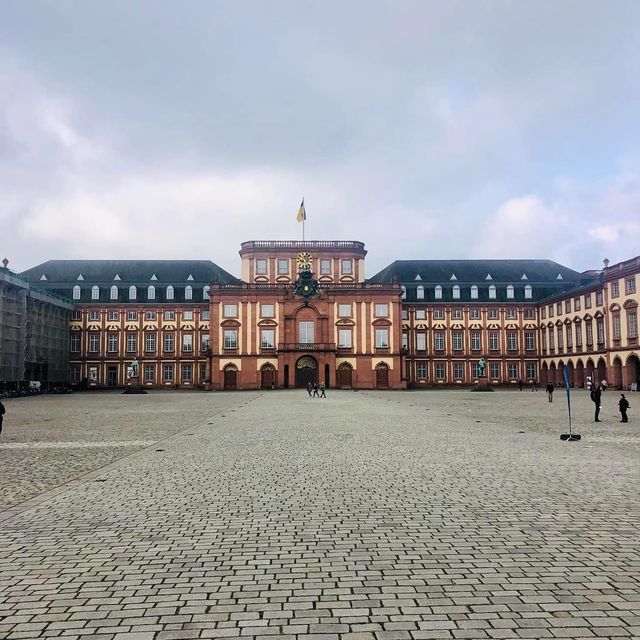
{"points": [[204, 314], [439, 340], [187, 314], [616, 327], [598, 298], [531, 370], [381, 310], [346, 266], [543, 313], [437, 292], [529, 340], [94, 341], [94, 316], [494, 341], [630, 285], [132, 342], [75, 374], [405, 314], [114, 316], [438, 314], [344, 338], [492, 314], [543, 338], [405, 340], [579, 336], [512, 369], [150, 342], [632, 318], [187, 373], [440, 370], [77, 315], [420, 314], [512, 314], [267, 310], [169, 315], [305, 332], [567, 306], [456, 293], [204, 342], [589, 334], [169, 341], [456, 314], [325, 267], [261, 266], [75, 342], [203, 372], [550, 310], [458, 371], [475, 370], [530, 314], [421, 370], [344, 310], [587, 301], [576, 304], [475, 341], [494, 370], [382, 338], [474, 314], [167, 372], [552, 339], [600, 328], [230, 310], [267, 339], [187, 342], [560, 337], [149, 372], [230, 339], [150, 315], [569, 336], [283, 266], [615, 289], [421, 341], [457, 340], [132, 314], [512, 341], [558, 308], [112, 342]]}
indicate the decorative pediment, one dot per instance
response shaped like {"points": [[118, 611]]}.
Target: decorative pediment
{"points": [[267, 322], [614, 307], [421, 325], [568, 321], [43, 277], [475, 325], [153, 277], [187, 327], [630, 304], [345, 322], [457, 325], [230, 322], [418, 277], [588, 316], [598, 314], [453, 277], [189, 278], [112, 327], [439, 325], [577, 319], [117, 277], [530, 325], [80, 277], [381, 322], [130, 326], [524, 277], [558, 323], [93, 327], [559, 277], [493, 325], [488, 277], [511, 325]]}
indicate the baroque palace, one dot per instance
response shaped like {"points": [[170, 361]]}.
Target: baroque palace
{"points": [[303, 311]]}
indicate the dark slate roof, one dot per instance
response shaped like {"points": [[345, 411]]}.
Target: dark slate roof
{"points": [[541, 275], [138, 272]]}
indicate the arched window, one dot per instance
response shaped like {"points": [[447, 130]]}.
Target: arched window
{"points": [[188, 292], [205, 292], [76, 292], [492, 292], [438, 292], [114, 292], [510, 291], [169, 292], [151, 292], [528, 292], [474, 292], [420, 292], [456, 292], [133, 292], [95, 292]]}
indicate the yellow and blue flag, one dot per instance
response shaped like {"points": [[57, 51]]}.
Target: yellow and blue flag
{"points": [[302, 214]]}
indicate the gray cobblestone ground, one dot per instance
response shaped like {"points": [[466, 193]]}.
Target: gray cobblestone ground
{"points": [[365, 516]]}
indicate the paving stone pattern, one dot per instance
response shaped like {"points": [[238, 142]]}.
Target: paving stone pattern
{"points": [[364, 516]]}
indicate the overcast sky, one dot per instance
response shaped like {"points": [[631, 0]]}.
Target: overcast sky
{"points": [[157, 129]]}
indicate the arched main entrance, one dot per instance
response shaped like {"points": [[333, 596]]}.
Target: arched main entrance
{"points": [[544, 375], [306, 371], [602, 370], [579, 374], [267, 376], [616, 383], [552, 374], [344, 376], [230, 377], [382, 376], [632, 372], [590, 370]]}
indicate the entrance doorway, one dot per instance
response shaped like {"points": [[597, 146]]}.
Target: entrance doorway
{"points": [[344, 376], [268, 376], [382, 376], [112, 376], [306, 371], [633, 363], [230, 377]]}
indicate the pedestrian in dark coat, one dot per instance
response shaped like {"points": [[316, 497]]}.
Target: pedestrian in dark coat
{"points": [[322, 391], [550, 391], [520, 384], [2, 412], [309, 389], [315, 390], [596, 395], [623, 403]]}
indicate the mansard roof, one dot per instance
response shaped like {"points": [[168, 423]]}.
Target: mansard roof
{"points": [[138, 272], [475, 271]]}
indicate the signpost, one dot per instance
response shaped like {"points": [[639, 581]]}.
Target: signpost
{"points": [[571, 437]]}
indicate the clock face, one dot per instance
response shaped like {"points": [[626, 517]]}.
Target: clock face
{"points": [[304, 261]]}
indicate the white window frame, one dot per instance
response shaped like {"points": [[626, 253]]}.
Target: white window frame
{"points": [[151, 292], [114, 292], [95, 292], [381, 310], [76, 292], [267, 339], [230, 339], [188, 292], [170, 292], [230, 310], [345, 310], [306, 332], [382, 338], [345, 338]]}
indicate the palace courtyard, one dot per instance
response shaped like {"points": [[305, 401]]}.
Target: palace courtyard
{"points": [[368, 515]]}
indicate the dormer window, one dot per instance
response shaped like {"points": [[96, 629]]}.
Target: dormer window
{"points": [[492, 292], [438, 292], [474, 292], [456, 292], [151, 292], [528, 292], [170, 292], [76, 292], [420, 292], [95, 292], [404, 292], [188, 292], [114, 293], [510, 292], [133, 292], [205, 292]]}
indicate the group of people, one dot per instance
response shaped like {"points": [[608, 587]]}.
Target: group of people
{"points": [[313, 388], [596, 398]]}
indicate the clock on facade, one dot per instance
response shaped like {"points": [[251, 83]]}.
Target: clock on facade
{"points": [[303, 260]]}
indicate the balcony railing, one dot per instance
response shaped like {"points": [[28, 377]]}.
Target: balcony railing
{"points": [[302, 244], [307, 346]]}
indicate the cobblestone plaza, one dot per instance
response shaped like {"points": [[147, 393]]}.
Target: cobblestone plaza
{"points": [[436, 514]]}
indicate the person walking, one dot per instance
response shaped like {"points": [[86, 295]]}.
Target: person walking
{"points": [[322, 391], [596, 396], [550, 391], [2, 412], [315, 390], [309, 388], [520, 384], [623, 404]]}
